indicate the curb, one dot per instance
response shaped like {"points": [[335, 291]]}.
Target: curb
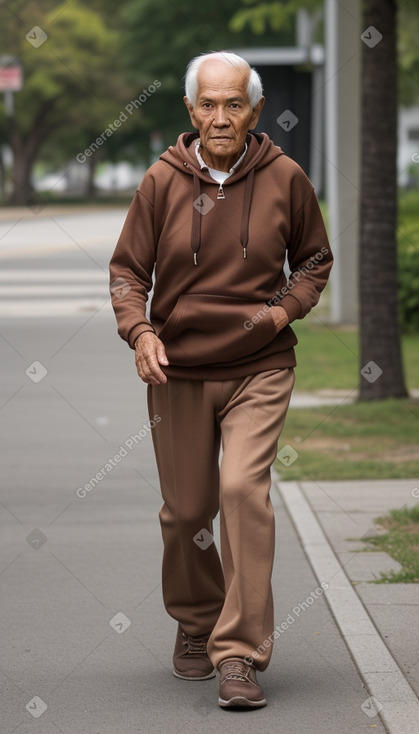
{"points": [[391, 696]]}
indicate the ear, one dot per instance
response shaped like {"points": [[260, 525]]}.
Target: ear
{"points": [[256, 113], [190, 109]]}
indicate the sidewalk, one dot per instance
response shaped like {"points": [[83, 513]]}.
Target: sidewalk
{"points": [[317, 398], [379, 623], [86, 643]]}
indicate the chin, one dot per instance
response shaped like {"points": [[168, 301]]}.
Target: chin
{"points": [[225, 148]]}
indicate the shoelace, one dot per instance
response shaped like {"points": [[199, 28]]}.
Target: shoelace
{"points": [[234, 671], [197, 645]]}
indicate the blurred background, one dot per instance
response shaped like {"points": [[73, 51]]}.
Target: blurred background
{"points": [[66, 83], [92, 94]]}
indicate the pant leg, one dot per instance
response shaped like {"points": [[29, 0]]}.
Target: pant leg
{"points": [[251, 423], [187, 445]]}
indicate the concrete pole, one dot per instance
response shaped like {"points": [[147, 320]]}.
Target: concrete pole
{"points": [[342, 95]]}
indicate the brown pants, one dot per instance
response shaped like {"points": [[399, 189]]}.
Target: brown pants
{"points": [[231, 599]]}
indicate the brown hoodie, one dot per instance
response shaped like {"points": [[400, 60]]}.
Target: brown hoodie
{"points": [[218, 263]]}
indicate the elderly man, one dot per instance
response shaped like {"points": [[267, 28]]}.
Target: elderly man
{"points": [[214, 219]]}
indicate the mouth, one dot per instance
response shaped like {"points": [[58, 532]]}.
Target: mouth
{"points": [[221, 138]]}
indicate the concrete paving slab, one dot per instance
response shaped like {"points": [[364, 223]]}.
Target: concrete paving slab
{"points": [[390, 595], [375, 496], [347, 530], [361, 646], [394, 609], [317, 400], [368, 565], [382, 676]]}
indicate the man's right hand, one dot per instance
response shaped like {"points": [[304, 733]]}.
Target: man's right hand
{"points": [[149, 355]]}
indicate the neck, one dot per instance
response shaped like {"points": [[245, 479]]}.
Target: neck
{"points": [[219, 164]]}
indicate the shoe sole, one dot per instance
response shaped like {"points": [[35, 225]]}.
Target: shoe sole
{"points": [[242, 702], [194, 677]]}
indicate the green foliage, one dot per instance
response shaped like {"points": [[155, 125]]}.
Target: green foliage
{"points": [[408, 261], [262, 16], [270, 15], [70, 73]]}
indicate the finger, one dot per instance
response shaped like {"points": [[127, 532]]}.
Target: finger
{"points": [[161, 354], [149, 354], [149, 369], [154, 371]]}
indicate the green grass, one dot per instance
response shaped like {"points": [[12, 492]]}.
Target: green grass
{"points": [[374, 440], [327, 356], [401, 542]]}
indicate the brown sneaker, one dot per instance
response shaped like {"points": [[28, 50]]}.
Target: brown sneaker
{"points": [[190, 658], [238, 685]]}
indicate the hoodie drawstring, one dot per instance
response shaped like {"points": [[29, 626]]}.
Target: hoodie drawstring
{"points": [[196, 217], [244, 227], [197, 214]]}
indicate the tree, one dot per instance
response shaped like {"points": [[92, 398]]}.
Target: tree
{"points": [[71, 80], [381, 360]]}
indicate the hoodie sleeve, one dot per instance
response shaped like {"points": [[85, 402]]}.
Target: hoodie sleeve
{"points": [[131, 269], [309, 256]]}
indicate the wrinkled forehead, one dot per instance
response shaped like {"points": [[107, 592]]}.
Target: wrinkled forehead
{"points": [[222, 79]]}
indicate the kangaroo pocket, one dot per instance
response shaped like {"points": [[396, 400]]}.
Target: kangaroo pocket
{"points": [[207, 329]]}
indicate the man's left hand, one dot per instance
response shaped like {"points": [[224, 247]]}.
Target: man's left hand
{"points": [[280, 317]]}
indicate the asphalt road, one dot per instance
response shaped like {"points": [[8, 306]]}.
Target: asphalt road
{"points": [[85, 642]]}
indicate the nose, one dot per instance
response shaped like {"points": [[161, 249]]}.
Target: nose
{"points": [[220, 117]]}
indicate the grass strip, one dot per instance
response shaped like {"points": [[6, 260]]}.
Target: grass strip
{"points": [[401, 542], [374, 440]]}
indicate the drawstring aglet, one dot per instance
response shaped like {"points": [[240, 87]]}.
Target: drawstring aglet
{"points": [[245, 252], [195, 262]]}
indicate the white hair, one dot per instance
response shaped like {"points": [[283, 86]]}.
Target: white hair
{"points": [[254, 86]]}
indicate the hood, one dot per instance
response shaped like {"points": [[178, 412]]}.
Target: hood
{"points": [[261, 151]]}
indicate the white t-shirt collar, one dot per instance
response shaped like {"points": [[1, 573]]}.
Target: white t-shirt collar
{"points": [[219, 176]]}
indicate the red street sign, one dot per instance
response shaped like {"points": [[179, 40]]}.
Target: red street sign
{"points": [[10, 79]]}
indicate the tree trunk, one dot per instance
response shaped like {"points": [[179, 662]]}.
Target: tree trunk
{"points": [[22, 170], [381, 361], [90, 189], [25, 151], [2, 179]]}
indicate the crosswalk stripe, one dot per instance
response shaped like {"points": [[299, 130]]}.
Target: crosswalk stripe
{"points": [[52, 308], [51, 290], [51, 293], [7, 275]]}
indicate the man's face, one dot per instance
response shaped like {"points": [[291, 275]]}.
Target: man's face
{"points": [[222, 113]]}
